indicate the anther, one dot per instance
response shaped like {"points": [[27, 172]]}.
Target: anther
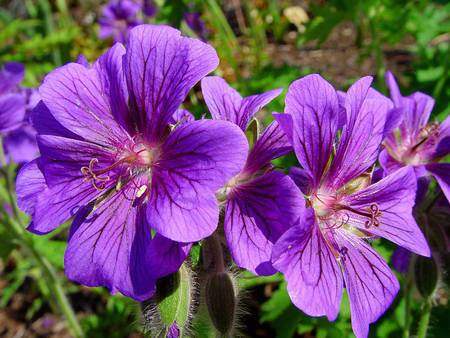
{"points": [[372, 213], [430, 131], [375, 212]]}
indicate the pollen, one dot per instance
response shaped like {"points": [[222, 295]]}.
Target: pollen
{"points": [[141, 191]]}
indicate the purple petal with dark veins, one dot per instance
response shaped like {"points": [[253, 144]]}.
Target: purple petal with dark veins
{"points": [[286, 123], [29, 183], [272, 144], [112, 247], [181, 116], [418, 112], [197, 158], [312, 272], [113, 85], [45, 124], [302, 179], [74, 95], [361, 136], [371, 285], [161, 67], [225, 103], [67, 189], [313, 104], [394, 197], [441, 172], [257, 214], [388, 163]]}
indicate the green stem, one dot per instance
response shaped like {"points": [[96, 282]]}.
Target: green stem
{"points": [[424, 319], [16, 226], [408, 294]]}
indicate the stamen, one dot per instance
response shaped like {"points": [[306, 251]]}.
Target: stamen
{"points": [[430, 131], [373, 212], [95, 175]]}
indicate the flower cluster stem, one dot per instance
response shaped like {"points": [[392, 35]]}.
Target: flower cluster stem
{"points": [[424, 319]]}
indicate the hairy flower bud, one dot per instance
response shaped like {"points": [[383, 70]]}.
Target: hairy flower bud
{"points": [[221, 301], [426, 273], [169, 313]]}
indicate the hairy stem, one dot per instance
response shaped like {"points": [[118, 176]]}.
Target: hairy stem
{"points": [[424, 319]]}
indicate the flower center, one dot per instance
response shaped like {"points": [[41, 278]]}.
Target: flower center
{"points": [[138, 159], [332, 214], [422, 147]]}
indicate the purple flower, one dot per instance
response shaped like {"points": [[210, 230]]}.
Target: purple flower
{"points": [[400, 259], [328, 250], [416, 142], [118, 17], [260, 203], [112, 160], [174, 331], [196, 24], [149, 7], [19, 138]]}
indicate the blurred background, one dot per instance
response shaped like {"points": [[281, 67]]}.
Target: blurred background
{"points": [[262, 44]]}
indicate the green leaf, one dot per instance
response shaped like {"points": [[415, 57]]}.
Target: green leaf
{"points": [[276, 305], [53, 250], [248, 280]]}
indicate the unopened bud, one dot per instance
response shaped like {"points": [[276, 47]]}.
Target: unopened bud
{"points": [[169, 312], [221, 301], [426, 275]]}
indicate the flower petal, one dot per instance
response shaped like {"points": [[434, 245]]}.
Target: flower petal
{"points": [[394, 196], [45, 124], [113, 84], [313, 275], [441, 172], [12, 111], [302, 179], [371, 285], [74, 95], [67, 189], [181, 116], [286, 123], [30, 182], [113, 247], [361, 136], [20, 144], [272, 144], [388, 163], [417, 113], [257, 214], [197, 158], [394, 91], [225, 103], [161, 67], [313, 104], [11, 76]]}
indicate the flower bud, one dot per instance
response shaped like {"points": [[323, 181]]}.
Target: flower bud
{"points": [[169, 312], [426, 275], [221, 301]]}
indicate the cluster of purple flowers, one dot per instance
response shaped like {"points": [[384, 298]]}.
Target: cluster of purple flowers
{"points": [[16, 102], [143, 180], [119, 16]]}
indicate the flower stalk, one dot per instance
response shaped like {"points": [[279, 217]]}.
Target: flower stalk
{"points": [[424, 319]]}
